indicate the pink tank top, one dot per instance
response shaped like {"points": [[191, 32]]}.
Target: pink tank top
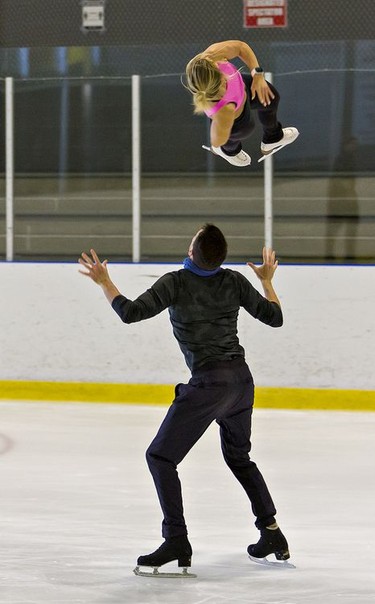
{"points": [[235, 92]]}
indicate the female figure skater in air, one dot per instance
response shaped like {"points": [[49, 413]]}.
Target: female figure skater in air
{"points": [[228, 98]]}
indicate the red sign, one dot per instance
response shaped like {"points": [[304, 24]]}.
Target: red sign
{"points": [[265, 13]]}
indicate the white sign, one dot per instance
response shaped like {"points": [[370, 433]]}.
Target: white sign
{"points": [[93, 15]]}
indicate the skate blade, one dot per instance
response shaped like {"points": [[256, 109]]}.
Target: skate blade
{"points": [[275, 150], [270, 153], [155, 573], [278, 564]]}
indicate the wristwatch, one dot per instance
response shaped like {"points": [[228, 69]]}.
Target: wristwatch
{"points": [[257, 71]]}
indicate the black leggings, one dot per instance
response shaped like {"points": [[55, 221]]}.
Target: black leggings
{"points": [[244, 125]]}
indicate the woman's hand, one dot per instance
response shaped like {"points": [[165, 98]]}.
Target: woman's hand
{"points": [[260, 88]]}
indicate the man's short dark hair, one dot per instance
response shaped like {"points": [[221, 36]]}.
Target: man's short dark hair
{"points": [[209, 248]]}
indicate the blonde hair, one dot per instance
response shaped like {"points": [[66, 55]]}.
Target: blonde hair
{"points": [[203, 80]]}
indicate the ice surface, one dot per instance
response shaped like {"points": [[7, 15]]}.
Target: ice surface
{"points": [[78, 507]]}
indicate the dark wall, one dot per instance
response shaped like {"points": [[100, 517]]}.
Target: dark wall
{"points": [[84, 126], [28, 23]]}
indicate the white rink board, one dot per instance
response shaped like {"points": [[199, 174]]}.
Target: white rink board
{"points": [[57, 325]]}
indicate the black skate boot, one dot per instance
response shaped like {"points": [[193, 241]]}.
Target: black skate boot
{"points": [[174, 548], [271, 541]]}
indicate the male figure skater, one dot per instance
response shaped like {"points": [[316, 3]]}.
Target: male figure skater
{"points": [[203, 300]]}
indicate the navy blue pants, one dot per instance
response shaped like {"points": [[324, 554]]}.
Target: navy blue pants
{"points": [[221, 391], [244, 125]]}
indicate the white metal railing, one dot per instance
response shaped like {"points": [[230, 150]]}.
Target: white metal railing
{"points": [[9, 167], [136, 167], [136, 173], [268, 193]]}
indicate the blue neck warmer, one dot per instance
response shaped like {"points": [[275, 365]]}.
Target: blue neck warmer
{"points": [[190, 266]]}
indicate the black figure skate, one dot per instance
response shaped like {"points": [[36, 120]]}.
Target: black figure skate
{"points": [[175, 548], [271, 541]]}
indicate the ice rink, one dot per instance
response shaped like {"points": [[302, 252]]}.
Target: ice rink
{"points": [[78, 507]]}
